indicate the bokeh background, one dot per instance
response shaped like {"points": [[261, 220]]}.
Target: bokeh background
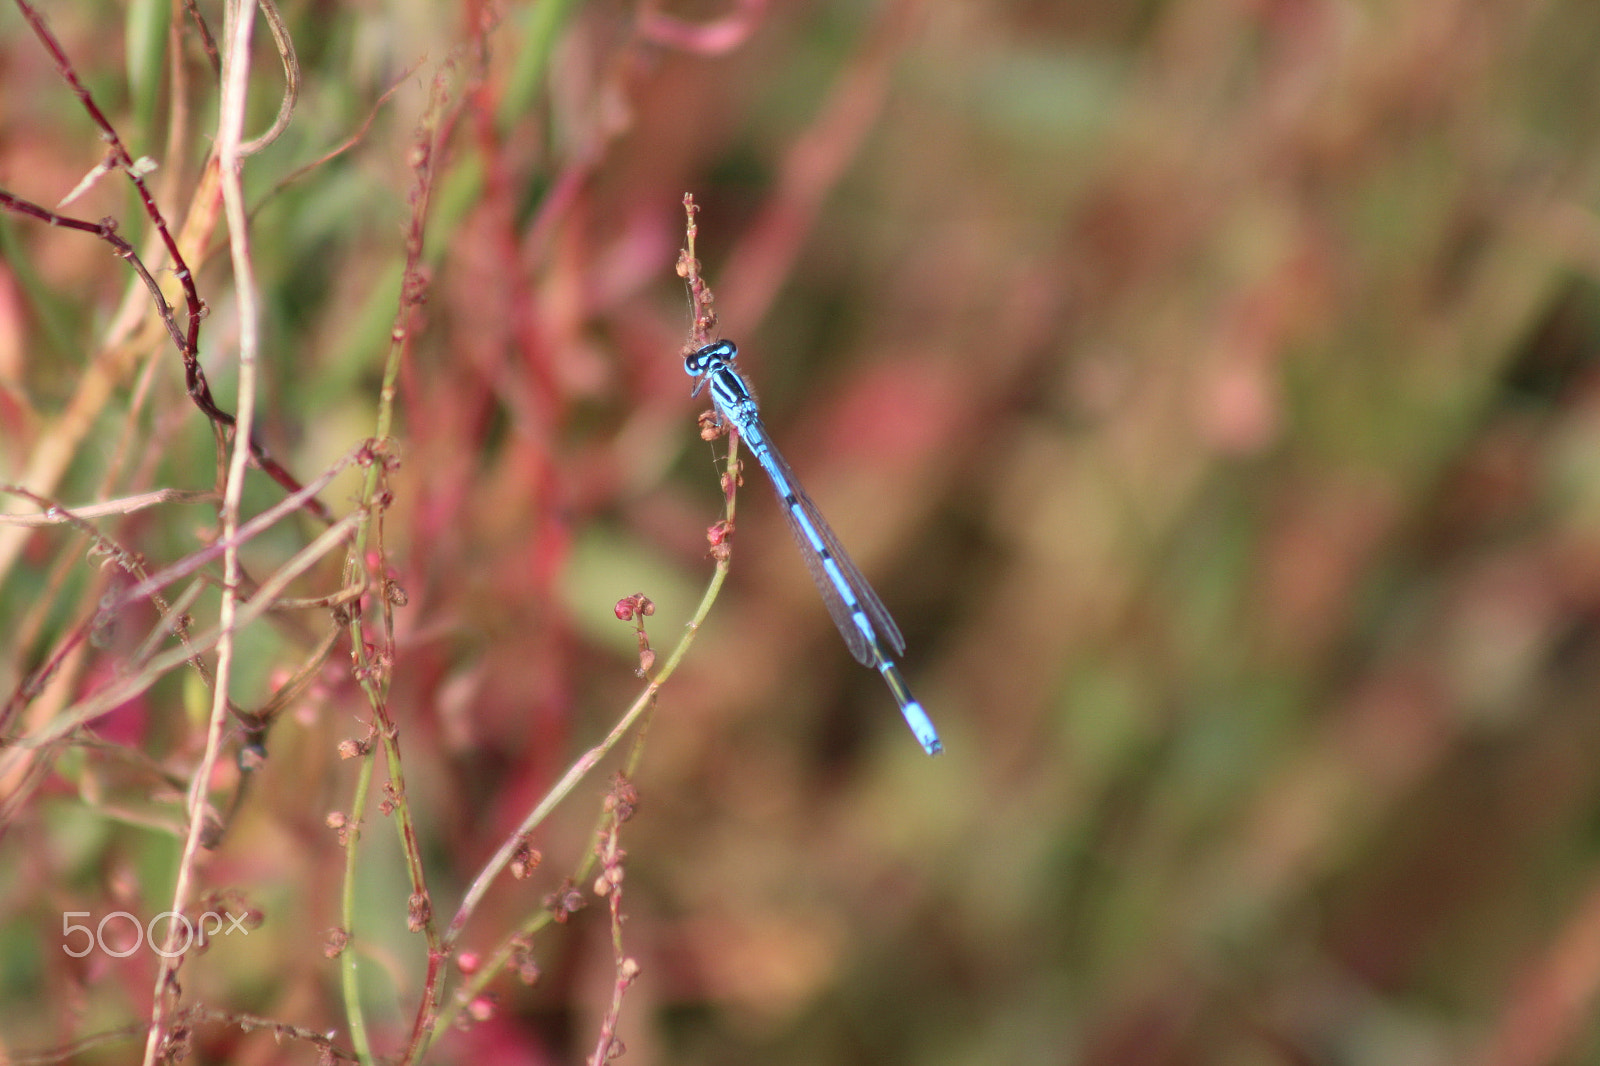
{"points": [[1208, 387]]}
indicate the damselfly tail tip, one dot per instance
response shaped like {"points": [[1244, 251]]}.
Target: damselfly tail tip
{"points": [[922, 727]]}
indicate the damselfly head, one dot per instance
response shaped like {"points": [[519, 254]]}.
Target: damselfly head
{"points": [[702, 362]]}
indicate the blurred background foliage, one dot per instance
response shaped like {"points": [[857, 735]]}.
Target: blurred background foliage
{"points": [[1208, 387]]}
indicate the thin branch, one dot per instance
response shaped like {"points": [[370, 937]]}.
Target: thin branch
{"points": [[55, 516], [516, 841], [230, 122], [338, 149], [208, 43], [373, 666], [291, 79], [248, 1022], [619, 807]]}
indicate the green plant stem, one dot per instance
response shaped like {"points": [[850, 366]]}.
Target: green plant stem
{"points": [[349, 957], [576, 773]]}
